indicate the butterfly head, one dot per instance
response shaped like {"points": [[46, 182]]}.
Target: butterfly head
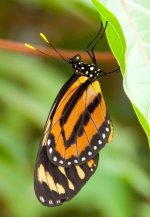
{"points": [[75, 59], [83, 68]]}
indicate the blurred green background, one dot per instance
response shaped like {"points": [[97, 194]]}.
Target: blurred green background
{"points": [[28, 85]]}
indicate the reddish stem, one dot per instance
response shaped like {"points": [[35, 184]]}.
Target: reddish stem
{"points": [[104, 57]]}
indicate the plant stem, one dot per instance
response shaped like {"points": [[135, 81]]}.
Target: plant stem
{"points": [[104, 57]]}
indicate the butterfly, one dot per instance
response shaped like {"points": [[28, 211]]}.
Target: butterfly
{"points": [[77, 128]]}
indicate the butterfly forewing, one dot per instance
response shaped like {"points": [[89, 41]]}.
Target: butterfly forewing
{"points": [[80, 124]]}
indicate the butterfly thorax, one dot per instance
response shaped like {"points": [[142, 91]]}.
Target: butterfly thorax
{"points": [[83, 68]]}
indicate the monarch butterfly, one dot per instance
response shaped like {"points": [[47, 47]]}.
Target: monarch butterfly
{"points": [[77, 127]]}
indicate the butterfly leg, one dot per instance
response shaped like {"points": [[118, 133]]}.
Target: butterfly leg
{"points": [[95, 40], [103, 73]]}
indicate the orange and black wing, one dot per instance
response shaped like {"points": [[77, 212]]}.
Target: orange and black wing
{"points": [[78, 125], [56, 184]]}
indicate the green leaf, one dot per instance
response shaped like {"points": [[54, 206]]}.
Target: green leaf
{"points": [[134, 20], [143, 122], [114, 33]]}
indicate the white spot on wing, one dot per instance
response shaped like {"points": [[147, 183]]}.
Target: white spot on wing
{"points": [[54, 158], [50, 202], [107, 129], [99, 142], [69, 163], [61, 162], [42, 199], [75, 161], [95, 147], [89, 153], [50, 150], [103, 135], [48, 142], [83, 158]]}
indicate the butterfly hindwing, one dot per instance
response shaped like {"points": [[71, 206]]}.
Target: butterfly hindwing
{"points": [[56, 184], [80, 124]]}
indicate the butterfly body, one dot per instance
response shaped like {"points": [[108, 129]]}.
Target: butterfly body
{"points": [[78, 126], [82, 68]]}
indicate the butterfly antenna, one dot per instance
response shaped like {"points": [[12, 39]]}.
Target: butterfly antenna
{"points": [[36, 49], [46, 40]]}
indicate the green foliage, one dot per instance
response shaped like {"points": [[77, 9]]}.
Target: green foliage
{"points": [[114, 33], [137, 76], [28, 85]]}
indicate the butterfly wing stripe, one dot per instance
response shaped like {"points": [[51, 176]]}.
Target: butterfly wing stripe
{"points": [[82, 143], [79, 108], [71, 151], [44, 139], [103, 123], [56, 141], [90, 129], [75, 113], [43, 187], [47, 126], [70, 184], [63, 118], [111, 133], [83, 120], [86, 125], [81, 140], [98, 114], [78, 175], [72, 103], [51, 188], [70, 85], [60, 146], [67, 100], [73, 87], [66, 86], [80, 172], [61, 93], [101, 138], [61, 106], [96, 87], [54, 185]]}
